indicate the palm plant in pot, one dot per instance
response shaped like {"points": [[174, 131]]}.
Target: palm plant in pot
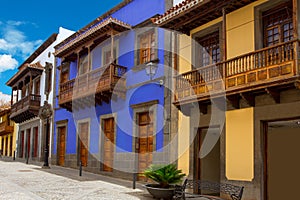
{"points": [[165, 176]]}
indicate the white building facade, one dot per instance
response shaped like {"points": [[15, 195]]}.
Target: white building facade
{"points": [[32, 86]]}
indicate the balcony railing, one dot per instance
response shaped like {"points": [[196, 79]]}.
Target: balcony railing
{"points": [[100, 80], [265, 67], [27, 108], [6, 128]]}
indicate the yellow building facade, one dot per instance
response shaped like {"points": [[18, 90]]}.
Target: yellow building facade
{"points": [[7, 134], [239, 78]]}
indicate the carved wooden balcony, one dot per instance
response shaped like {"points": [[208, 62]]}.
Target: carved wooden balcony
{"points": [[6, 128], [94, 87], [25, 109], [267, 70]]}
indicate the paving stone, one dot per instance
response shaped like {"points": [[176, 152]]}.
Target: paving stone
{"points": [[21, 181]]}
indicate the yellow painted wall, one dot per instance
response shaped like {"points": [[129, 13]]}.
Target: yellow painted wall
{"points": [[240, 30], [207, 25], [183, 143], [7, 137], [239, 151], [240, 38], [14, 138], [185, 55], [1, 144], [184, 65]]}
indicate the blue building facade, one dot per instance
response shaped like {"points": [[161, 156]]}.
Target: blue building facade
{"points": [[110, 114]]}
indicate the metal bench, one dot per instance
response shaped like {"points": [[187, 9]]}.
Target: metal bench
{"points": [[235, 192]]}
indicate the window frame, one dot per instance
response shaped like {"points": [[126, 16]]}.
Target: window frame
{"points": [[258, 20], [107, 49], [65, 68], [197, 61], [144, 32], [83, 65], [282, 11]]}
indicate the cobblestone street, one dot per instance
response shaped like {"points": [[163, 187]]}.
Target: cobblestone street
{"points": [[21, 181]]}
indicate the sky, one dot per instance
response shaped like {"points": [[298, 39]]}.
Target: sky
{"points": [[25, 25]]}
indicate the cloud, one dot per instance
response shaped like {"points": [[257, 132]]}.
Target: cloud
{"points": [[177, 2], [14, 42], [4, 97], [7, 62], [15, 23]]}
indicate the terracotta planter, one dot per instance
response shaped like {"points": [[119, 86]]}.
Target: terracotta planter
{"points": [[160, 193]]}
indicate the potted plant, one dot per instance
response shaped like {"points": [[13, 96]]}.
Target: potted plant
{"points": [[166, 176]]}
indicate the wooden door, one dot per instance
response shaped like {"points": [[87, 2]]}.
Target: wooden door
{"points": [[2, 146], [145, 142], [108, 146], [35, 141], [11, 146], [28, 144], [21, 149], [61, 145], [208, 167], [282, 160], [6, 146], [83, 143]]}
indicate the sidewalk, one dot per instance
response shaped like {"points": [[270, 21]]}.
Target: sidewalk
{"points": [[21, 181]]}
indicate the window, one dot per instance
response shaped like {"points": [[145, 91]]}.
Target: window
{"points": [[64, 75], [209, 50], [37, 87], [106, 54], [83, 64], [147, 51], [278, 25], [49, 82]]}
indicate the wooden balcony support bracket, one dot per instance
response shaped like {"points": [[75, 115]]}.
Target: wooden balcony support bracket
{"points": [[275, 94], [220, 103], [203, 108], [234, 100], [297, 84], [249, 98], [185, 109], [98, 100], [105, 97]]}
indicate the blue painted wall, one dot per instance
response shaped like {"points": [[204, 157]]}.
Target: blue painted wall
{"points": [[134, 13]]}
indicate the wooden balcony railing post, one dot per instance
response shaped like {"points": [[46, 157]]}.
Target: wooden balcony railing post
{"points": [[98, 79], [263, 64], [296, 56]]}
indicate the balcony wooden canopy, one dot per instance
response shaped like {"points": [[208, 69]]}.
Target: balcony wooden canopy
{"points": [[26, 70], [191, 14], [95, 34], [27, 107]]}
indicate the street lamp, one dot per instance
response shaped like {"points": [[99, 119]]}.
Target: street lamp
{"points": [[45, 113], [151, 69]]}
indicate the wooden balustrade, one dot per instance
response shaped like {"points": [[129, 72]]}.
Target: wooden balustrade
{"points": [[29, 100], [270, 56], [27, 108], [6, 128], [96, 81], [261, 67]]}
